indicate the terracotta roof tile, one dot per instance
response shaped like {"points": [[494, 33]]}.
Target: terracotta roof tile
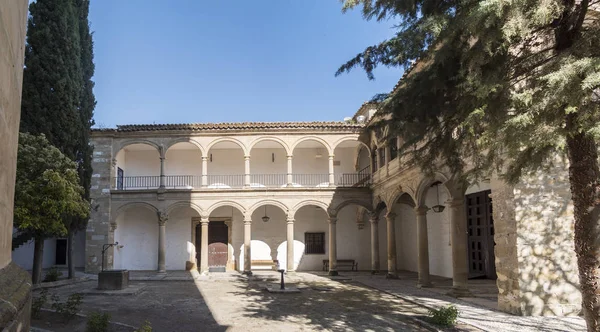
{"points": [[333, 125]]}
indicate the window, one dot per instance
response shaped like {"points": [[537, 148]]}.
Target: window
{"points": [[393, 148], [119, 178], [315, 243]]}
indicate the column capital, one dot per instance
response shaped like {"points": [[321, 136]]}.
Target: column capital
{"points": [[247, 221], [204, 220], [247, 157], [162, 222], [113, 226], [374, 219], [290, 156], [333, 220], [455, 202], [162, 217], [204, 158], [290, 220], [331, 156], [162, 158], [421, 210], [390, 215]]}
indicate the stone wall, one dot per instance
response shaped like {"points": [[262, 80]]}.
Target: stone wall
{"points": [[97, 232], [15, 284], [535, 258]]}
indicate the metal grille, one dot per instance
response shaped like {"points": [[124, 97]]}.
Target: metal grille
{"points": [[315, 243]]}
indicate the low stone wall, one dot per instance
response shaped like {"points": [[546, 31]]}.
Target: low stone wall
{"points": [[15, 298]]}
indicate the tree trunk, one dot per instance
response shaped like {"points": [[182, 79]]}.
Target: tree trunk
{"points": [[584, 176], [70, 263], [38, 258]]}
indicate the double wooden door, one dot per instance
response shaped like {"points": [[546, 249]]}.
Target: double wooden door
{"points": [[480, 226], [218, 236]]}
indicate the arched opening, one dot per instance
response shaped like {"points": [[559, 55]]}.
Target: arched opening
{"points": [[137, 234], [406, 233], [137, 167], [180, 246], [225, 165], [225, 233], [345, 162], [311, 235], [310, 164], [183, 166], [438, 228], [480, 231], [268, 230], [354, 238], [268, 164]]}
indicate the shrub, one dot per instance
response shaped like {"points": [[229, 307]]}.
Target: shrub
{"points": [[445, 316], [146, 327], [97, 322], [52, 275], [38, 302], [69, 308]]}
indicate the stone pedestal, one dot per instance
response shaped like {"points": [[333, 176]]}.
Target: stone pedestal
{"points": [[113, 279]]}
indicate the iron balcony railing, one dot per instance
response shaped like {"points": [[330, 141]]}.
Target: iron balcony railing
{"points": [[257, 181]]}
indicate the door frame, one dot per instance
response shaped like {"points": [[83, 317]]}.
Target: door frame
{"points": [[229, 223], [487, 239]]}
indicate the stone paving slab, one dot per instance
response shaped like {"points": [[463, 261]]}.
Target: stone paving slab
{"points": [[481, 317], [130, 290]]}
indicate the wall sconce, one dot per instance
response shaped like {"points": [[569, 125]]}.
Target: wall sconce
{"points": [[273, 157], [211, 157]]}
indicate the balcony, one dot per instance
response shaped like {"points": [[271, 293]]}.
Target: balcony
{"points": [[238, 181]]}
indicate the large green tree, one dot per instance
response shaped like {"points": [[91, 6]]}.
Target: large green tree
{"points": [[58, 98], [499, 86], [47, 191]]}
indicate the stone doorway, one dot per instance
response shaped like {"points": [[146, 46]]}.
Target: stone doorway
{"points": [[480, 226], [219, 251]]}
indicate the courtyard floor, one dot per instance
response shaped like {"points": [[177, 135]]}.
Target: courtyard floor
{"points": [[355, 301]]}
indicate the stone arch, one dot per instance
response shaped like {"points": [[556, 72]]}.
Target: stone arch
{"points": [[227, 139], [217, 205], [268, 202], [185, 140], [426, 182], [308, 202], [396, 194], [312, 138], [273, 139], [126, 206], [336, 209], [350, 138], [122, 144], [189, 204]]}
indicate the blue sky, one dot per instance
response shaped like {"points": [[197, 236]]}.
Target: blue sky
{"points": [[230, 61]]}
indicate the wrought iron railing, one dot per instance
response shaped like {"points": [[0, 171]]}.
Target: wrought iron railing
{"points": [[138, 182], [225, 181], [268, 180], [353, 180], [183, 181], [310, 180]]}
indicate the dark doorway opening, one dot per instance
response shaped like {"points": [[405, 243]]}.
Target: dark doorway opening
{"points": [[480, 226], [61, 252], [218, 236]]}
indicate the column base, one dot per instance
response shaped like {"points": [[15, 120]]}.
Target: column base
{"points": [[391, 276], [459, 292], [248, 273], [333, 273], [161, 271], [424, 285], [375, 272]]}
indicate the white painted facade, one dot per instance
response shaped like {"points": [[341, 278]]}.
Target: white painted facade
{"points": [[23, 255]]}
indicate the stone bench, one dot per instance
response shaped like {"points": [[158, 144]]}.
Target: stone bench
{"points": [[347, 263], [266, 262]]}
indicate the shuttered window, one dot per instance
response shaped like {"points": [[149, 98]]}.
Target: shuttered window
{"points": [[315, 243]]}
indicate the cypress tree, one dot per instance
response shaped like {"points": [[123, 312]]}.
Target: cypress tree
{"points": [[53, 83]]}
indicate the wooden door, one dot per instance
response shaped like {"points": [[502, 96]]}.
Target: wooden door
{"points": [[480, 226], [217, 246]]}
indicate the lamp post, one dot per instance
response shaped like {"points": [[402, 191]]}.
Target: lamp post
{"points": [[105, 248]]}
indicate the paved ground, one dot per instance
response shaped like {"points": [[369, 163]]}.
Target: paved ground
{"points": [[234, 303]]}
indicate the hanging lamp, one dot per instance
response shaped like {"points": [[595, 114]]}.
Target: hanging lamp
{"points": [[266, 218], [438, 208]]}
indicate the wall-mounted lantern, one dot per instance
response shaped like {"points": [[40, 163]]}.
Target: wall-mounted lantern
{"points": [[437, 208]]}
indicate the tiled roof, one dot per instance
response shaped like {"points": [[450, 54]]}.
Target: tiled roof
{"points": [[333, 125]]}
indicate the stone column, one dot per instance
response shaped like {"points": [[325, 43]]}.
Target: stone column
{"points": [[204, 171], [247, 171], [374, 244], [110, 253], [332, 247], [204, 246], [388, 155], [290, 244], [247, 246], [290, 179], [162, 242], [391, 245], [162, 172], [331, 172], [458, 233], [423, 247]]}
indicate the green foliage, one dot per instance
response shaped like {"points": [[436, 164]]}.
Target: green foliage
{"points": [[69, 308], [47, 189], [146, 327], [492, 83], [38, 302], [98, 322], [445, 316], [52, 275]]}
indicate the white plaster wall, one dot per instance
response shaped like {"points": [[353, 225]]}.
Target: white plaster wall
{"points": [[121, 160], [306, 162], [438, 226], [137, 231], [226, 162], [183, 162], [406, 237], [23, 256], [261, 161], [363, 159], [179, 237], [350, 239], [141, 163]]}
